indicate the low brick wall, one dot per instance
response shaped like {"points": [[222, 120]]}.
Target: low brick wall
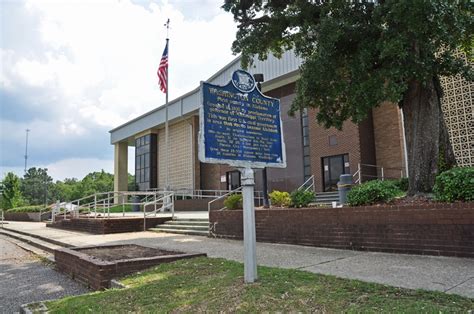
{"points": [[97, 273], [27, 216], [436, 229], [106, 225]]}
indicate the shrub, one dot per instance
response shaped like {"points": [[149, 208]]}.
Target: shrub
{"points": [[280, 198], [233, 201], [27, 209], [301, 198], [455, 184], [402, 184], [372, 192]]}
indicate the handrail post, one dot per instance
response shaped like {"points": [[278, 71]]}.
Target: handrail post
{"points": [[172, 206], [360, 173], [95, 205], [381, 170]]}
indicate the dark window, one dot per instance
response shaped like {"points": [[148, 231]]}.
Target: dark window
{"points": [[306, 151], [146, 176]]}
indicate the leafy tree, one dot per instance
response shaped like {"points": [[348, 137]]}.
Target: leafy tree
{"points": [[11, 194], [96, 182], [35, 185], [358, 54]]}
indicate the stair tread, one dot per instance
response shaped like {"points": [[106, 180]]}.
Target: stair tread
{"points": [[166, 226], [180, 231], [46, 246]]}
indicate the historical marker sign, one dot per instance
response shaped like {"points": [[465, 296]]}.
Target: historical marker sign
{"points": [[240, 126]]}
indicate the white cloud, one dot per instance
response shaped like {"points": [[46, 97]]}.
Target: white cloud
{"points": [[92, 66]]}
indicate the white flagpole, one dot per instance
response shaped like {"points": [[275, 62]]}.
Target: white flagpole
{"points": [[167, 184]]}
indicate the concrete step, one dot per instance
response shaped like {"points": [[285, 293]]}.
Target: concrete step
{"points": [[184, 227], [191, 219], [33, 241], [180, 231], [33, 249], [52, 241], [188, 222]]}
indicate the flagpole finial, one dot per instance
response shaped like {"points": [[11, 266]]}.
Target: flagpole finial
{"points": [[167, 24]]}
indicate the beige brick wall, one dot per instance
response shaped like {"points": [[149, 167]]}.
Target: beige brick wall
{"points": [[182, 155], [388, 138]]}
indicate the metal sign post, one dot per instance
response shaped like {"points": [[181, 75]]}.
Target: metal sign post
{"points": [[241, 127], [250, 249]]}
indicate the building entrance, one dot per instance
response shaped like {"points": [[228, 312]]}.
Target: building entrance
{"points": [[233, 180], [333, 167]]}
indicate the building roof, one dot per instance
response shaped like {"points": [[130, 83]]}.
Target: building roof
{"points": [[189, 103]]}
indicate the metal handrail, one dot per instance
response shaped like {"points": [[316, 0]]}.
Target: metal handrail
{"points": [[169, 197], [222, 196], [310, 187], [358, 174]]}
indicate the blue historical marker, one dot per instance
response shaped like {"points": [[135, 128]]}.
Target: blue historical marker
{"points": [[240, 126]]}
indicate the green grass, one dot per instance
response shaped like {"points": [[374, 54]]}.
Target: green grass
{"points": [[216, 285], [119, 209]]}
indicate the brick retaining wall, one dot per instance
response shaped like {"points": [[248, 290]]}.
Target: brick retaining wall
{"points": [[435, 229], [97, 273], [106, 225]]}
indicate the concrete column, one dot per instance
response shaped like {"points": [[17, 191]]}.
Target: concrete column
{"points": [[120, 169]]}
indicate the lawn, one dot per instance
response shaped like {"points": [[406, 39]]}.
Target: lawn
{"points": [[216, 285]]}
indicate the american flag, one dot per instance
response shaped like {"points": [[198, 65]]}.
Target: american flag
{"points": [[163, 70]]}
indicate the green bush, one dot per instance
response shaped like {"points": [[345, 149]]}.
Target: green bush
{"points": [[402, 184], [456, 184], [280, 198], [372, 192], [27, 209], [301, 198], [233, 201]]}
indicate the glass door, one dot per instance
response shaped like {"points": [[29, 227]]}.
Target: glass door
{"points": [[333, 167], [233, 180]]}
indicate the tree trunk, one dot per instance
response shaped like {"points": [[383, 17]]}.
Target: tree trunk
{"points": [[428, 148]]}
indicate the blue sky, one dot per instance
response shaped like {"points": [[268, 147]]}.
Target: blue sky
{"points": [[72, 70]]}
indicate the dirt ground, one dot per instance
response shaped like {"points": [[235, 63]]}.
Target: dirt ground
{"points": [[124, 252]]}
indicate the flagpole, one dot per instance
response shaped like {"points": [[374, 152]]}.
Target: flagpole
{"points": [[167, 186]]}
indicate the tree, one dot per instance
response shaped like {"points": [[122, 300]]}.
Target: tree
{"points": [[35, 185], [358, 54], [11, 195]]}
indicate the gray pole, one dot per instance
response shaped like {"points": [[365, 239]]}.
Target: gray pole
{"points": [[250, 250], [26, 149]]}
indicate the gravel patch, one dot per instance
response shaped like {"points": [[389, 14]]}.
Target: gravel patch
{"points": [[24, 279]]}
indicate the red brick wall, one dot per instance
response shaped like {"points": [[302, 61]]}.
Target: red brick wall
{"points": [[106, 226], [440, 229], [347, 143]]}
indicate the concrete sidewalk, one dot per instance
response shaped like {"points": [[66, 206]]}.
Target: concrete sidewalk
{"points": [[446, 274]]}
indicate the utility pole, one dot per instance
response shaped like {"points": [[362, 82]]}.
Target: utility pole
{"points": [[26, 148]]}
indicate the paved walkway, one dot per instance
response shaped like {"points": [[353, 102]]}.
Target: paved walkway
{"points": [[24, 279], [447, 274]]}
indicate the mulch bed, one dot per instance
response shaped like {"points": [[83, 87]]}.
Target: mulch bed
{"points": [[124, 252]]}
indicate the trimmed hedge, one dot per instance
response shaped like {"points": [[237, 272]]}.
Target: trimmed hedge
{"points": [[281, 199], [301, 198], [456, 184], [233, 201], [372, 192], [27, 209]]}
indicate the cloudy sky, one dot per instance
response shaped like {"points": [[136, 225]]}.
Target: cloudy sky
{"points": [[71, 70]]}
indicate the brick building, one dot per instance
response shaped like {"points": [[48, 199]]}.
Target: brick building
{"points": [[373, 148]]}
